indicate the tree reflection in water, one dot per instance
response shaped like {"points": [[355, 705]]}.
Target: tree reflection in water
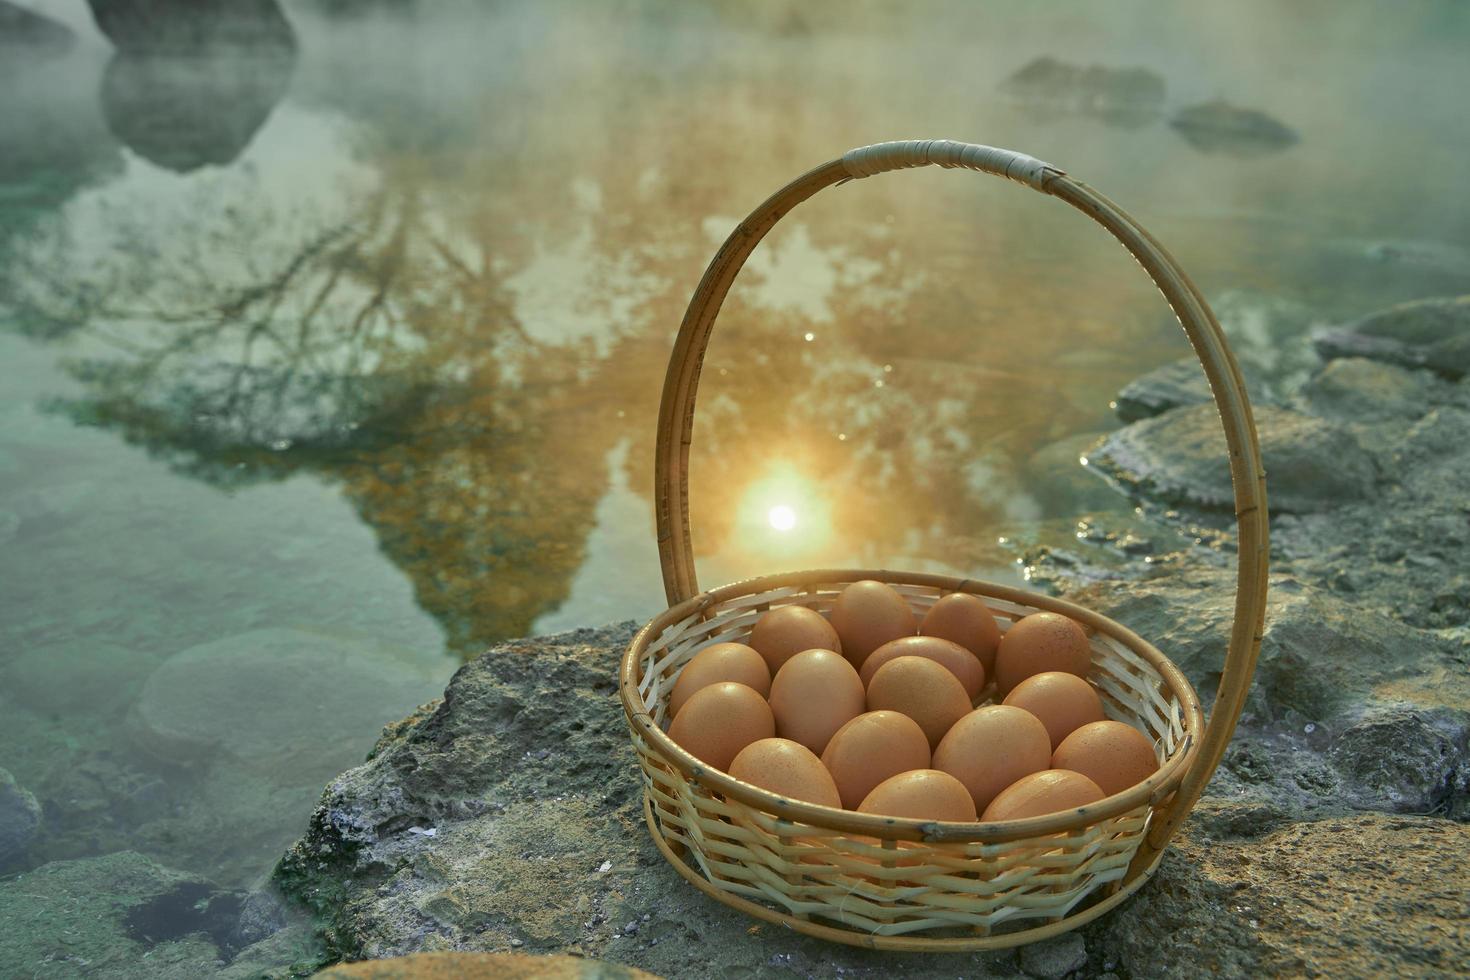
{"points": [[460, 357]]}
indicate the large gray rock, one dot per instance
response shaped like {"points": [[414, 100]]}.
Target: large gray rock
{"points": [[1407, 553], [1321, 658], [20, 819], [1177, 383], [1354, 389], [1180, 457], [509, 817], [1431, 333]]}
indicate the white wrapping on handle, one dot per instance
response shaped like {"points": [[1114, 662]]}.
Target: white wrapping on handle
{"points": [[865, 161]]}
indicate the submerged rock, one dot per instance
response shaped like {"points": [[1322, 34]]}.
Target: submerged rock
{"points": [[1431, 333], [1057, 477], [281, 701], [1219, 127], [1180, 457], [125, 916], [20, 819]]}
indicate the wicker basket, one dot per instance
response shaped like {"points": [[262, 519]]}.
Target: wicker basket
{"points": [[901, 884]]}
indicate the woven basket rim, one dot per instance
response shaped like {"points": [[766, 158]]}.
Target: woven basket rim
{"points": [[1152, 790]]}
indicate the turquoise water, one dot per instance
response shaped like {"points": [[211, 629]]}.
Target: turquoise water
{"points": [[317, 378]]}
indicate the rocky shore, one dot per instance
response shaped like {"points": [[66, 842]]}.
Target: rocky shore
{"points": [[507, 816]]}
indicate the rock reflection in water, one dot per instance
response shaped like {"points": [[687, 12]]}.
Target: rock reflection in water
{"points": [[185, 111], [1219, 127], [1124, 97], [192, 26]]}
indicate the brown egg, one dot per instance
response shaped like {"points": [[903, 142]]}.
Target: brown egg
{"points": [[721, 662], [1048, 791], [965, 619], [867, 615], [992, 747], [1064, 702], [1110, 753], [951, 656], [921, 689], [787, 769], [785, 631], [815, 693], [1040, 642], [925, 794], [720, 720], [871, 748]]}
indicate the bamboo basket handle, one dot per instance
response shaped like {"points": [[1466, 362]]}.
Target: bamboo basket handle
{"points": [[676, 411]]}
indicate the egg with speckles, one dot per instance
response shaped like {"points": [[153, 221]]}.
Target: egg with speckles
{"points": [[992, 747], [951, 656], [783, 632], [925, 794], [1048, 791], [1110, 753], [719, 720], [721, 662], [872, 747], [814, 694], [868, 614], [787, 769], [921, 689], [964, 619], [1040, 642]]}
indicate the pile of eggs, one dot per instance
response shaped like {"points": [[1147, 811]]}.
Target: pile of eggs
{"points": [[873, 711]]}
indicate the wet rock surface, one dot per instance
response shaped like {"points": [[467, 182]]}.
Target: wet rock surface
{"points": [[1431, 333], [508, 816], [1180, 457], [1369, 895]]}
